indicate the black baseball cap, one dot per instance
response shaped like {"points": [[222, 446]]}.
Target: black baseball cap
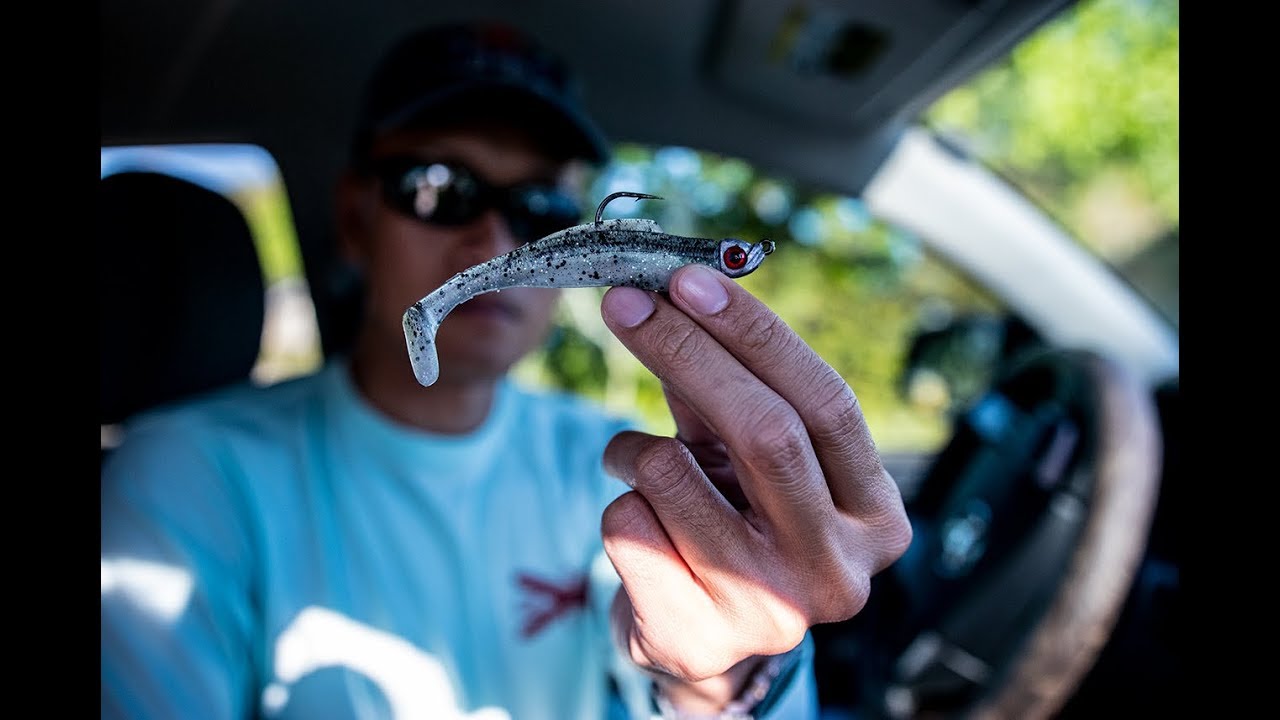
{"points": [[465, 71]]}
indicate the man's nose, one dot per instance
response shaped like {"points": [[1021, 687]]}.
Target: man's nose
{"points": [[489, 236]]}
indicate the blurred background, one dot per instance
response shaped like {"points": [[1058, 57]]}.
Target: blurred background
{"points": [[1093, 139]]}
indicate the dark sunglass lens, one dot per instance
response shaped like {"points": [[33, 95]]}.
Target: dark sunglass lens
{"points": [[446, 193], [438, 193]]}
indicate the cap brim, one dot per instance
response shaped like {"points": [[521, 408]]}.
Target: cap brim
{"points": [[545, 114]]}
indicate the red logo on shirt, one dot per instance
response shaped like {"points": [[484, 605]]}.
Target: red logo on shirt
{"points": [[545, 600]]}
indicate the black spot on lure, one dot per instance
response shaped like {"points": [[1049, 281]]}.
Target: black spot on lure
{"points": [[630, 251]]}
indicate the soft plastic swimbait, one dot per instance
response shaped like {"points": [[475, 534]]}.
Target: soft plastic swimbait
{"points": [[629, 251]]}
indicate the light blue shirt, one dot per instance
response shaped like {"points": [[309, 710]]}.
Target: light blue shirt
{"points": [[289, 552]]}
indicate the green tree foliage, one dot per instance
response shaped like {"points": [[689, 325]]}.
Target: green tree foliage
{"points": [[266, 209], [1084, 116]]}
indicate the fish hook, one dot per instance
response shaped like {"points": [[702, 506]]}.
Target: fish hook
{"points": [[614, 196]]}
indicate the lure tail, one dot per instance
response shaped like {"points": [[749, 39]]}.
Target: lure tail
{"points": [[420, 335], [423, 318]]}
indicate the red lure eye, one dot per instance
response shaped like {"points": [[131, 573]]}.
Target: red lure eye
{"points": [[735, 258]]}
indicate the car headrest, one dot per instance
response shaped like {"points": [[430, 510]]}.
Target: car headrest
{"points": [[181, 292]]}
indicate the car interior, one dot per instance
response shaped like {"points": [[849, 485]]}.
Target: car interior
{"points": [[179, 318], [1043, 579]]}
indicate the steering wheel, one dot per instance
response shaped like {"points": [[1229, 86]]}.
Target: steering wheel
{"points": [[1030, 526]]}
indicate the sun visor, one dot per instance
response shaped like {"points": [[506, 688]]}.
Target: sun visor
{"points": [[860, 65]]}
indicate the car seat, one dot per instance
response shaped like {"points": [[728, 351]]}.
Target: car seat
{"points": [[182, 302]]}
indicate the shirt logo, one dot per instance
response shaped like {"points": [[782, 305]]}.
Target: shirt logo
{"points": [[545, 600]]}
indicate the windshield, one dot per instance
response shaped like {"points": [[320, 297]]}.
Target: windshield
{"points": [[1082, 117]]}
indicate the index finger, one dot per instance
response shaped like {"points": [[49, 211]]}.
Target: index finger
{"points": [[766, 345]]}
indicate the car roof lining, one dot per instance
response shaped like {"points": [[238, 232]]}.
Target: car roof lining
{"points": [[701, 73]]}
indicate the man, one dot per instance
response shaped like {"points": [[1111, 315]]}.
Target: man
{"points": [[355, 544]]}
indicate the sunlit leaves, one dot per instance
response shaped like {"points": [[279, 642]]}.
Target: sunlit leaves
{"points": [[1093, 95]]}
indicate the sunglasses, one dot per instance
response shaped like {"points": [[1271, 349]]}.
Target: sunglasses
{"points": [[449, 194]]}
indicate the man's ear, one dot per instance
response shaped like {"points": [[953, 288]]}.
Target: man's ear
{"points": [[354, 203]]}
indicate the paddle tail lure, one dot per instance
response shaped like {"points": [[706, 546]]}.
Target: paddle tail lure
{"points": [[630, 251]]}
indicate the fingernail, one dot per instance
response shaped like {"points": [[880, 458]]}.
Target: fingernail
{"points": [[701, 289], [628, 306]]}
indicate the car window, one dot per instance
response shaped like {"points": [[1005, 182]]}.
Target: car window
{"points": [[249, 177]]}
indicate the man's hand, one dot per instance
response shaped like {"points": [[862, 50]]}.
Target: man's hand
{"points": [[768, 512]]}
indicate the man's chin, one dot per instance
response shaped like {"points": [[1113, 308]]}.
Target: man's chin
{"points": [[476, 362]]}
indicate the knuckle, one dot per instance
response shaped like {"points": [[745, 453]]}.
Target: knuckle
{"points": [[901, 540], [881, 515], [772, 345], [836, 411], [760, 332], [681, 345], [781, 444], [663, 465], [833, 577], [788, 625], [849, 590], [893, 529]]}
